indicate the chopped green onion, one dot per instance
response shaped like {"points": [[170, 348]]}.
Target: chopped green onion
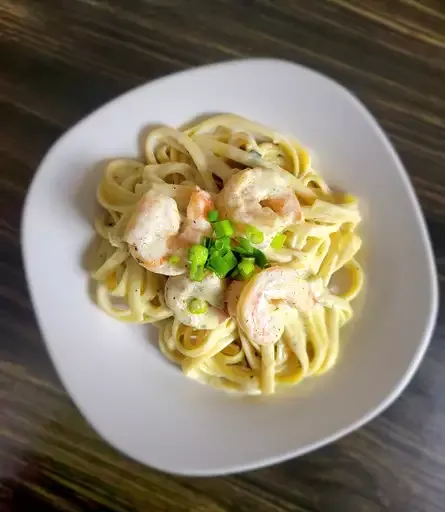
{"points": [[197, 306], [222, 265], [198, 254], [234, 273], [254, 234], [223, 228], [249, 230], [173, 260], [197, 272], [245, 244], [219, 266], [257, 238], [278, 241], [242, 252], [238, 255], [260, 258], [230, 259], [244, 247], [206, 242], [213, 215], [246, 268], [222, 244]]}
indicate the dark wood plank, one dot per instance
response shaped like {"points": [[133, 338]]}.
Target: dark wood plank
{"points": [[59, 60]]}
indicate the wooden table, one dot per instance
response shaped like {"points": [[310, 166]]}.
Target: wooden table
{"points": [[59, 60]]}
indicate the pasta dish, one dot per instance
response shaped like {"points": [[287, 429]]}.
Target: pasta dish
{"points": [[235, 248]]}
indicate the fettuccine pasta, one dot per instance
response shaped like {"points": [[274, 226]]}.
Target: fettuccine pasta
{"points": [[233, 246]]}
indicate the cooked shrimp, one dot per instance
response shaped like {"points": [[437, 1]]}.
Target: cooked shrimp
{"points": [[153, 225], [261, 197], [180, 291], [154, 233], [266, 297], [197, 224], [232, 296]]}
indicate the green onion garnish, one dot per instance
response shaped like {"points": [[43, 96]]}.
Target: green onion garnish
{"points": [[213, 215], [222, 244], [244, 247], [197, 272], [173, 260], [198, 255], [254, 234], [257, 238], [234, 273], [246, 268], [278, 241], [223, 228], [197, 306], [260, 258], [222, 258], [242, 252], [230, 259], [220, 264], [206, 242]]}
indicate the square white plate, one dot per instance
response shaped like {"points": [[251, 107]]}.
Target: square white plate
{"points": [[133, 397]]}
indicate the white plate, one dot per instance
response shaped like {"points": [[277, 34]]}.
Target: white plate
{"points": [[134, 398]]}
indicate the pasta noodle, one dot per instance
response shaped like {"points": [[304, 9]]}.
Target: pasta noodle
{"points": [[278, 325]]}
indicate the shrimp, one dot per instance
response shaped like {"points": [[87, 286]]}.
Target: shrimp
{"points": [[154, 232], [197, 224], [266, 297], [262, 197], [154, 223], [180, 290], [232, 296]]}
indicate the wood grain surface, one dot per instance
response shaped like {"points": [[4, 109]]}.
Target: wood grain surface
{"points": [[59, 60]]}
